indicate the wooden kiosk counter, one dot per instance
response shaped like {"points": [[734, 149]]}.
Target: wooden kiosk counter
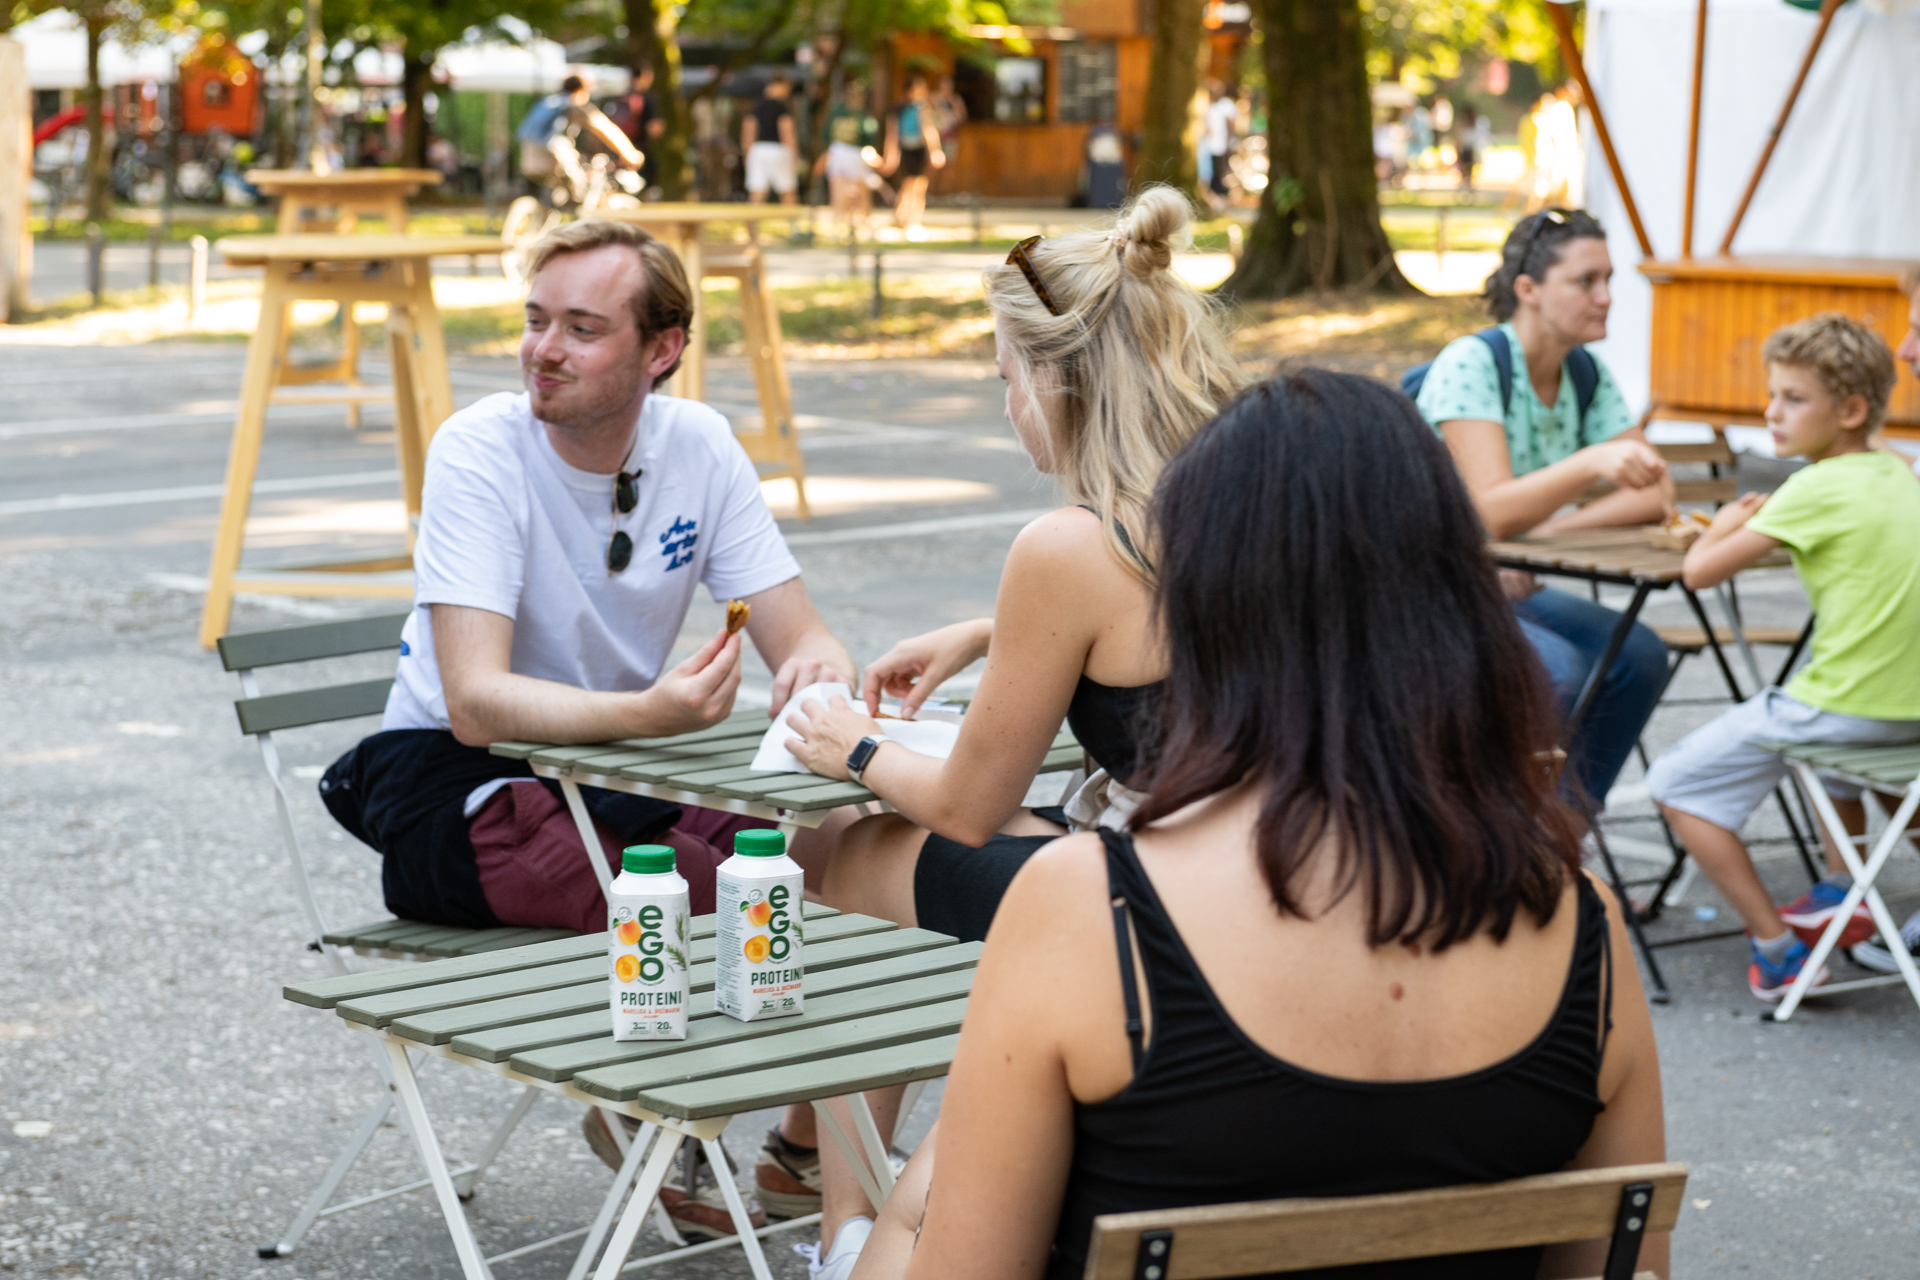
{"points": [[1712, 315]]}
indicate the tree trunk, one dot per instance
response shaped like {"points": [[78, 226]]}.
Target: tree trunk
{"points": [[97, 157], [416, 74], [1167, 150], [280, 102], [650, 42], [1319, 220]]}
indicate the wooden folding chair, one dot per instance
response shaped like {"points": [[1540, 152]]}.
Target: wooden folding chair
{"points": [[262, 716], [1618, 1205]]}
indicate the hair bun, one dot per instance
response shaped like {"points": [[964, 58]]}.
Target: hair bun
{"points": [[1157, 222]]}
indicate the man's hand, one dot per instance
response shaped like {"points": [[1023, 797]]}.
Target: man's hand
{"points": [[790, 635], [795, 674], [699, 691], [1630, 464]]}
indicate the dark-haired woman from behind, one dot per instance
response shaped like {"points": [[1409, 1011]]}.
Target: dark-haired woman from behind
{"points": [[1364, 958], [1529, 446]]}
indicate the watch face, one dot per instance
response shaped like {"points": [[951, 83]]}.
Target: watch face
{"points": [[861, 753]]}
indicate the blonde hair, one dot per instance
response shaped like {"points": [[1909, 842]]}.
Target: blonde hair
{"points": [[665, 302], [1849, 358], [1136, 361]]}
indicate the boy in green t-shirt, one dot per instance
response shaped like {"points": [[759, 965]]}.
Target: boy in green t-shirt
{"points": [[1852, 523]]}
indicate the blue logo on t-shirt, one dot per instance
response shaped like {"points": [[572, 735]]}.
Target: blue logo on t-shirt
{"points": [[404, 650], [677, 542]]}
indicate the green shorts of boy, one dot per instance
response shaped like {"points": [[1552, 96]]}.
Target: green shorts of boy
{"points": [[1851, 521]]}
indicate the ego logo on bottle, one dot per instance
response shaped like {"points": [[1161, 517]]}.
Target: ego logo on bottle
{"points": [[643, 932], [772, 915]]}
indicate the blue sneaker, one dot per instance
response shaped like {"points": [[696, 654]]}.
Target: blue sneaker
{"points": [[1815, 909], [1769, 981]]}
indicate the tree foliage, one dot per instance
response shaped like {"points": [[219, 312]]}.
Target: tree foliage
{"points": [[1447, 40]]}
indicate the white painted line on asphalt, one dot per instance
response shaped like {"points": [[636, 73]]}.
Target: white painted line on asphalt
{"points": [[915, 528], [223, 412], [192, 492]]}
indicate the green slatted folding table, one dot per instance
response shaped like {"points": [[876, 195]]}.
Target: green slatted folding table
{"points": [[883, 1007], [709, 769], [1877, 770]]}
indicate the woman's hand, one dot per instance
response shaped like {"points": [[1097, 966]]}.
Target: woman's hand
{"points": [[914, 668], [1630, 464], [828, 735]]}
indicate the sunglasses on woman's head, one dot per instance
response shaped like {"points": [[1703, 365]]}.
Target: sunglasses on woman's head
{"points": [[1558, 217], [626, 496], [1018, 258]]}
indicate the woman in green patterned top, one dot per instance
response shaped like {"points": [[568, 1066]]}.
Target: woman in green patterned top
{"points": [[1532, 419]]}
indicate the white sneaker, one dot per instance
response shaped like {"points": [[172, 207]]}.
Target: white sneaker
{"points": [[1873, 955], [847, 1244]]}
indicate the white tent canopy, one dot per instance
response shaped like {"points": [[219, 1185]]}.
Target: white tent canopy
{"points": [[1845, 179], [56, 48]]}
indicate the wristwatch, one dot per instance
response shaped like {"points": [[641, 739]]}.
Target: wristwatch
{"points": [[861, 756]]}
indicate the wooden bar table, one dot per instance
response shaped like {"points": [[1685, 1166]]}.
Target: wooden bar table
{"points": [[395, 270], [883, 1007], [356, 193], [775, 448], [305, 199]]}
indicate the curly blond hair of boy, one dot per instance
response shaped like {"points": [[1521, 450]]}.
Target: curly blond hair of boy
{"points": [[1849, 358]]}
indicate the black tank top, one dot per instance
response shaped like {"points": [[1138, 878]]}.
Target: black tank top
{"points": [[1211, 1118], [1110, 722]]}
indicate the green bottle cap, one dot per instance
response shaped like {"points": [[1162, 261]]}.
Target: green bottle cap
{"points": [[759, 843], [647, 859]]}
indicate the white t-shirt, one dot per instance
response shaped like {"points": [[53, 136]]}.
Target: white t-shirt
{"points": [[1221, 115], [509, 527]]}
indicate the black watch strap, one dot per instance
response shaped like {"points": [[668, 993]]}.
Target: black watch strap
{"points": [[861, 756]]}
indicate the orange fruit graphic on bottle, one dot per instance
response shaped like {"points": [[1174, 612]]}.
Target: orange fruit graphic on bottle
{"points": [[755, 949], [758, 914], [626, 968], [629, 934]]}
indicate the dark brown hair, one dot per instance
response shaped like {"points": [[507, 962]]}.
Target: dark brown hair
{"points": [[1338, 639]]}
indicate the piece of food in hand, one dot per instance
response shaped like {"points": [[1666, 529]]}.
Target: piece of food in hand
{"points": [[737, 611], [1679, 531]]}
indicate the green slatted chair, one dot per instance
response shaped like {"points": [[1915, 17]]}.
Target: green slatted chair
{"points": [[261, 717]]}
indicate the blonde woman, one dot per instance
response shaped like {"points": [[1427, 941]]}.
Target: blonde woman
{"points": [[1112, 363]]}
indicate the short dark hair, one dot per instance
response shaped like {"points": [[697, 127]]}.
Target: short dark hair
{"points": [[572, 84], [1338, 639], [1532, 247]]}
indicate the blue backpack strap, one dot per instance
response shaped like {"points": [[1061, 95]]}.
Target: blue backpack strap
{"points": [[1585, 372], [1502, 363]]}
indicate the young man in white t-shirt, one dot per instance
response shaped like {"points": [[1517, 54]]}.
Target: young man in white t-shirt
{"points": [[562, 534]]}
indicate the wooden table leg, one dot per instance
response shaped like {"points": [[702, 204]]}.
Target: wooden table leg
{"points": [[430, 353], [243, 455], [693, 365], [408, 441], [770, 373]]}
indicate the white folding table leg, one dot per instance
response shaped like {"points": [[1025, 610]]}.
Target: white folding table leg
{"points": [[472, 1262], [831, 1123], [1862, 890], [629, 1168], [369, 1125], [736, 1208], [465, 1183], [589, 837], [870, 1136], [655, 1173], [909, 1099]]}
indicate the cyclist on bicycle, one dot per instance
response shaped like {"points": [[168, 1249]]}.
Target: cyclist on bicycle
{"points": [[549, 157]]}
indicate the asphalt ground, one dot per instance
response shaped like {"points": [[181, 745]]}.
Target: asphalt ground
{"points": [[147, 923]]}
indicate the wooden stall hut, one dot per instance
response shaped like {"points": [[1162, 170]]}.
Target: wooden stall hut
{"points": [[1794, 187]]}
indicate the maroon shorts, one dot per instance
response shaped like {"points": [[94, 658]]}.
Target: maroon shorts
{"points": [[533, 872]]}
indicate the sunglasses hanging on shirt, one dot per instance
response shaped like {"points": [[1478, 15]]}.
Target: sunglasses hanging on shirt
{"points": [[626, 496]]}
